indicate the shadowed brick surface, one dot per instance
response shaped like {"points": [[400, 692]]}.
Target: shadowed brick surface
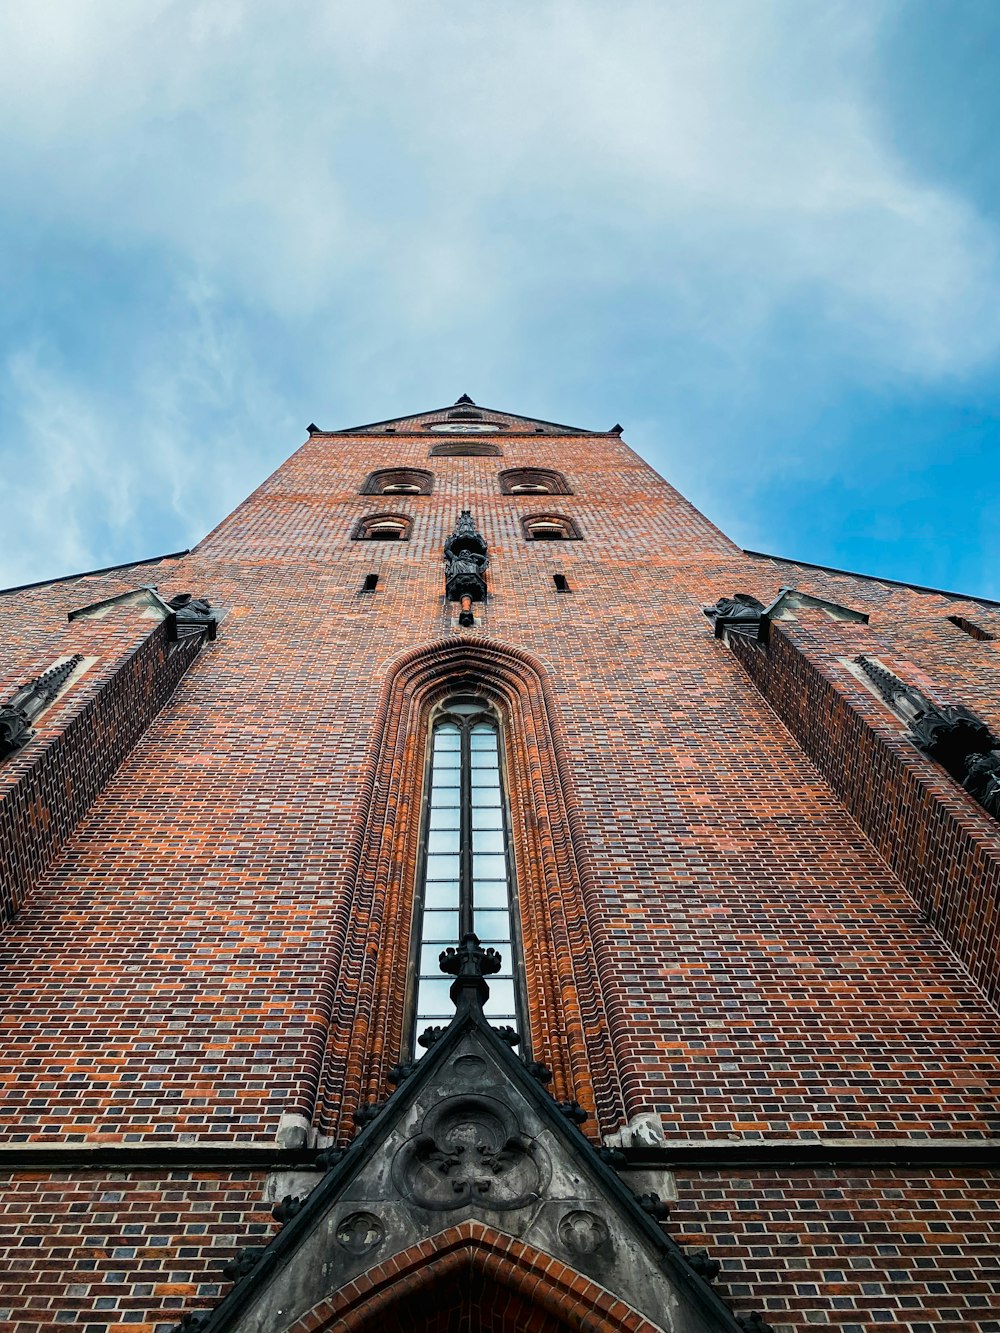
{"points": [[764, 958]]}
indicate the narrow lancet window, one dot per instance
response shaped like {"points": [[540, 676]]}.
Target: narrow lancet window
{"points": [[466, 863]]}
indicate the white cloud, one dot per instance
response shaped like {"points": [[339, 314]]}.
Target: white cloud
{"points": [[317, 155], [99, 473], [404, 191]]}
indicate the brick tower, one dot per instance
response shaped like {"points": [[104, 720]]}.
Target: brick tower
{"points": [[467, 891]]}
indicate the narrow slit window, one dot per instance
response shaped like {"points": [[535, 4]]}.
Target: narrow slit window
{"points": [[973, 630], [561, 582], [467, 881], [370, 583]]}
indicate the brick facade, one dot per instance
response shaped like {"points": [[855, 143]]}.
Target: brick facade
{"points": [[749, 906]]}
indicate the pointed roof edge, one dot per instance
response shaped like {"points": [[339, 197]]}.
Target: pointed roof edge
{"points": [[874, 578], [463, 401], [348, 1161], [92, 573]]}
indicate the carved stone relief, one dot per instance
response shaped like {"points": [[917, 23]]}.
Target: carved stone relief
{"points": [[470, 1149]]}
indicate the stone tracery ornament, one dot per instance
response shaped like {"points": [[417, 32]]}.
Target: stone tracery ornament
{"points": [[468, 1149], [360, 1232], [582, 1232]]}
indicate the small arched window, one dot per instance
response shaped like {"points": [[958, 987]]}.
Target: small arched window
{"points": [[465, 449], [383, 528], [466, 861], [533, 481], [549, 528], [399, 481]]}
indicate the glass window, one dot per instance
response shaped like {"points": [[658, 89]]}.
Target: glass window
{"points": [[466, 863]]}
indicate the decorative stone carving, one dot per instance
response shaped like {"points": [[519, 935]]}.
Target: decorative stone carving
{"points": [[704, 1265], [244, 1262], [285, 1210], [952, 735], [360, 1233], [470, 1148], [192, 615], [25, 704], [470, 964], [466, 560], [982, 780], [740, 614], [582, 1232]]}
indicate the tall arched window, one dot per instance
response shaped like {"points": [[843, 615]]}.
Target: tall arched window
{"points": [[467, 872]]}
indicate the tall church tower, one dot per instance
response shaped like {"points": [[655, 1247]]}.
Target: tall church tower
{"points": [[467, 891]]}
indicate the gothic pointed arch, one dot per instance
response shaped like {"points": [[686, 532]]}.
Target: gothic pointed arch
{"points": [[562, 978], [512, 1287]]}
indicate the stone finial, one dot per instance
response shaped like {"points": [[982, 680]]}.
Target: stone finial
{"points": [[470, 964], [25, 704]]}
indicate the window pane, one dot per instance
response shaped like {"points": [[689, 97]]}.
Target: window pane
{"points": [[447, 738], [487, 817], [441, 927], [433, 997], [483, 758], [447, 817], [487, 840], [501, 999], [442, 867], [493, 925], [445, 759], [490, 893], [486, 867], [445, 797], [446, 777], [483, 738], [429, 954], [485, 796], [445, 840], [441, 894]]}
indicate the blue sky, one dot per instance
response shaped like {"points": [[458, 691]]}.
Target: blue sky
{"points": [[765, 236]]}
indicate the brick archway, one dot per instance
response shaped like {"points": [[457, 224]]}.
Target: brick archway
{"points": [[471, 1269], [563, 985]]}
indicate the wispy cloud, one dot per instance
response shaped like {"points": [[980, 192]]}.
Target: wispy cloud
{"points": [[370, 199]]}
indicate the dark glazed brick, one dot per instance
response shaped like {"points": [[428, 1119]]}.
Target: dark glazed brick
{"points": [[205, 946]]}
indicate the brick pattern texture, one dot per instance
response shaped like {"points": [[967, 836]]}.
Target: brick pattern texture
{"points": [[717, 928]]}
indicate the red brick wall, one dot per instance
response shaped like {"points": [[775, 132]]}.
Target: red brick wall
{"points": [[942, 844], [855, 1249], [758, 967], [121, 1251], [46, 787]]}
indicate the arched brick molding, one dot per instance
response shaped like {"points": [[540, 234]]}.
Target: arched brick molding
{"points": [[399, 481], [534, 1293], [465, 449], [533, 481], [383, 527], [549, 527], [562, 977]]}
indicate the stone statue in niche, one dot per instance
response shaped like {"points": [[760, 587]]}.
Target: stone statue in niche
{"points": [[466, 560]]}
